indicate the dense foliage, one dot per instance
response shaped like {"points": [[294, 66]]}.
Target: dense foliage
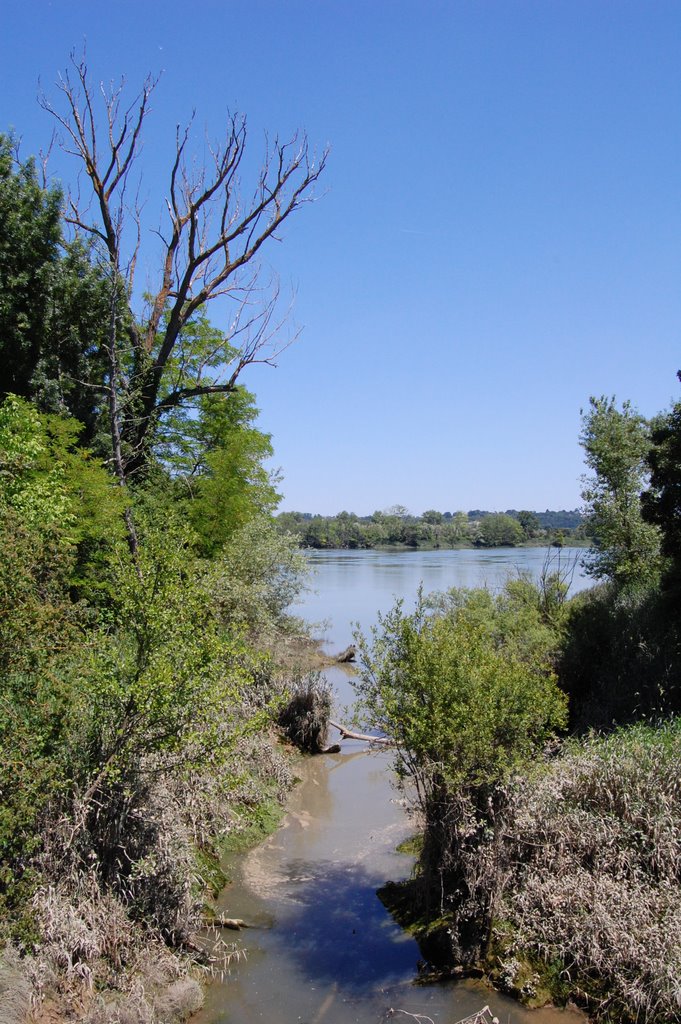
{"points": [[662, 500], [54, 306], [622, 656], [469, 696], [553, 865], [616, 443], [396, 527], [142, 586]]}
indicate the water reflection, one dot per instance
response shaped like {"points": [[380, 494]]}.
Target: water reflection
{"points": [[322, 949], [322, 941], [348, 587], [339, 931]]}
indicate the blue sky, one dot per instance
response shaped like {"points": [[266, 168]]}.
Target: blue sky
{"points": [[497, 235]]}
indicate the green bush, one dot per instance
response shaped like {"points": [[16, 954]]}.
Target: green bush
{"points": [[468, 706], [621, 657]]}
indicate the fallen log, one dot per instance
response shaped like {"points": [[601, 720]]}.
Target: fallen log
{"points": [[235, 923], [347, 734]]}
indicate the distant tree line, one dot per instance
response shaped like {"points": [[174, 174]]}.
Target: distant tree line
{"points": [[397, 527]]}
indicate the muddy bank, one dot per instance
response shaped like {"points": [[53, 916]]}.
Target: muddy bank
{"points": [[300, 654]]}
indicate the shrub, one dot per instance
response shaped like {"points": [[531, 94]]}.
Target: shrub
{"points": [[594, 849], [467, 707], [305, 715], [621, 658]]}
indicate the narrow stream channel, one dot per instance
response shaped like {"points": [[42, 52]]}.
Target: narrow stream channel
{"points": [[321, 946]]}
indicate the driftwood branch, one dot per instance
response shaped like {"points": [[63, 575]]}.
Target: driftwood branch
{"points": [[347, 734], [235, 923]]}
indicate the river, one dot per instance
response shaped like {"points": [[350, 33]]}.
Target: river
{"points": [[322, 948], [348, 587]]}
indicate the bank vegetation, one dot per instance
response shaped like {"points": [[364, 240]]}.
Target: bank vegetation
{"points": [[540, 740], [396, 527], [143, 587]]}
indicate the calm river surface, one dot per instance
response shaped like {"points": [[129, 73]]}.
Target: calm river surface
{"points": [[348, 587], [322, 948]]}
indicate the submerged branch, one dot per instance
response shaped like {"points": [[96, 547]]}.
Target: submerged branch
{"points": [[346, 734]]}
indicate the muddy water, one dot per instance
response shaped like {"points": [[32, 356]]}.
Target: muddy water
{"points": [[321, 947]]}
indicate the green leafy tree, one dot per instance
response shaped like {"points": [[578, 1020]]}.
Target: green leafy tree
{"points": [[316, 533], [458, 528], [397, 526], [165, 679], [194, 428], [212, 449], [500, 530], [30, 237], [468, 703], [234, 490], [53, 302], [462, 708], [291, 522], [38, 625], [229, 482], [662, 501], [347, 531], [52, 483], [32, 488], [432, 517], [616, 443], [41, 522], [259, 574], [529, 521]]}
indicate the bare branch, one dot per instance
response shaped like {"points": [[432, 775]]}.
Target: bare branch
{"points": [[211, 236], [80, 139]]}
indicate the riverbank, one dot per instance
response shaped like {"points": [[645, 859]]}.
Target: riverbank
{"points": [[586, 913], [90, 959], [398, 527], [95, 965], [320, 945], [574, 542], [320, 941]]}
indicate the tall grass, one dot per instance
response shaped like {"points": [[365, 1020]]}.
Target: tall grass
{"points": [[594, 866]]}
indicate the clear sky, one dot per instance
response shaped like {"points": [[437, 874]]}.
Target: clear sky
{"points": [[497, 235]]}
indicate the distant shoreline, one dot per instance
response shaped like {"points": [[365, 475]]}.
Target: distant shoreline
{"points": [[396, 529], [570, 542]]}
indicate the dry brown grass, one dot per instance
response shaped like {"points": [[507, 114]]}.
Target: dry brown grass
{"points": [[594, 846], [15, 987], [118, 941]]}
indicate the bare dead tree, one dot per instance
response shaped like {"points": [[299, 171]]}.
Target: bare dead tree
{"points": [[209, 243]]}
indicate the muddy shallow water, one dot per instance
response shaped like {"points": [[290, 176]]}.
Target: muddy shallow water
{"points": [[321, 946]]}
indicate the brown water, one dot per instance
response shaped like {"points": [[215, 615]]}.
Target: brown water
{"points": [[321, 947]]}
